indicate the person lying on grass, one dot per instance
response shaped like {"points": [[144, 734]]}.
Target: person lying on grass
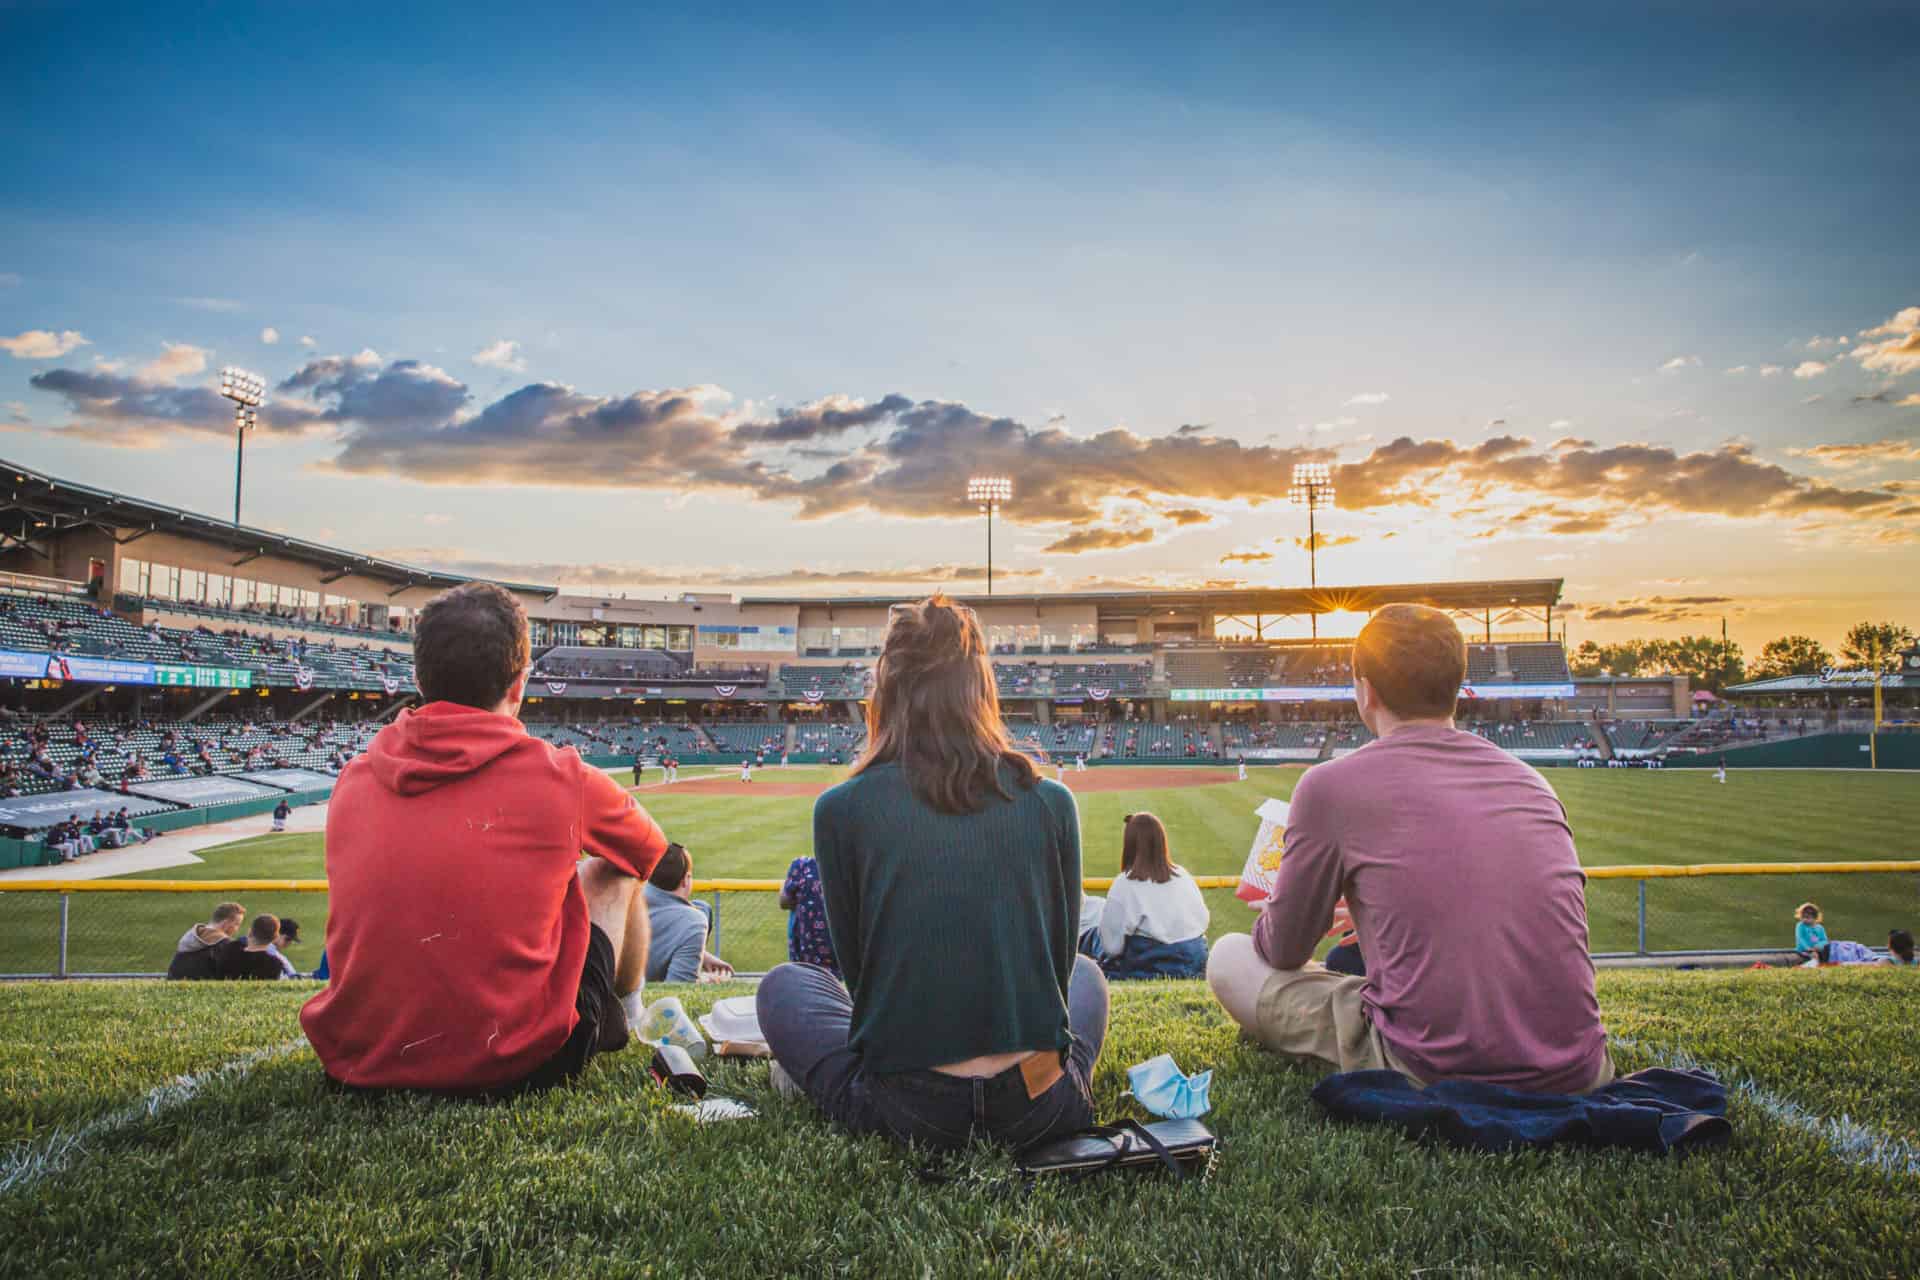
{"points": [[1458, 868], [472, 950], [951, 875]]}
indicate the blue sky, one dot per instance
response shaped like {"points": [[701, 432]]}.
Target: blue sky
{"points": [[1058, 238]]}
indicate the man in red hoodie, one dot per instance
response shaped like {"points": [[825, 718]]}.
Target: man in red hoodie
{"points": [[473, 950]]}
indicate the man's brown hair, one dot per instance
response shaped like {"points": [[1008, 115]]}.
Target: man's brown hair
{"points": [[935, 710], [266, 928], [470, 645], [1415, 658], [227, 913], [1143, 849], [671, 870]]}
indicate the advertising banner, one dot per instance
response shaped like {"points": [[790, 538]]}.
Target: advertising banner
{"points": [[78, 667], [1344, 693]]}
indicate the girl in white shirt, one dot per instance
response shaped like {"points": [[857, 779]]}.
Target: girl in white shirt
{"points": [[1154, 924]]}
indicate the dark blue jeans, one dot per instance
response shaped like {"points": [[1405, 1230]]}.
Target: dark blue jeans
{"points": [[805, 1014]]}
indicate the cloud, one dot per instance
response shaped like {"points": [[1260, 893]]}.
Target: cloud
{"points": [[404, 396], [306, 340], [1816, 342], [224, 305], [1660, 609], [1588, 483], [823, 419], [1369, 397], [503, 354], [139, 413], [1872, 453], [1905, 321], [1811, 368], [1186, 516], [1770, 370], [1900, 352], [1909, 401], [1680, 362], [1739, 368], [178, 360], [1323, 541], [1247, 557], [42, 344], [17, 412], [269, 335], [1097, 539]]}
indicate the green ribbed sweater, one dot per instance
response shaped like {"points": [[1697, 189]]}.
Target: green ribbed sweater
{"points": [[956, 932]]}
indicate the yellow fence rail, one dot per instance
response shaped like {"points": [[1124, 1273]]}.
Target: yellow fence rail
{"points": [[62, 928]]}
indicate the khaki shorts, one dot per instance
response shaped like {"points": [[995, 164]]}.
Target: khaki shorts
{"points": [[1315, 1013]]}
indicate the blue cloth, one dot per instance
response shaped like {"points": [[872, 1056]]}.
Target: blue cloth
{"points": [[1808, 937], [1661, 1111], [1144, 957]]}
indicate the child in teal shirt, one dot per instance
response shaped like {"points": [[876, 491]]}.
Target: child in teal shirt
{"points": [[1809, 935]]}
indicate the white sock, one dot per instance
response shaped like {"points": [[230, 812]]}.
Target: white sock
{"points": [[635, 1003]]}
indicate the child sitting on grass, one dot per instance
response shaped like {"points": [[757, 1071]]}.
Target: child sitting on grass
{"points": [[1809, 935], [808, 939], [1900, 948]]}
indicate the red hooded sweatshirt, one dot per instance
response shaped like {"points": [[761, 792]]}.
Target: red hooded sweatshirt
{"points": [[456, 929]]}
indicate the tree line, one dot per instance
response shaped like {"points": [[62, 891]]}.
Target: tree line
{"points": [[1713, 664]]}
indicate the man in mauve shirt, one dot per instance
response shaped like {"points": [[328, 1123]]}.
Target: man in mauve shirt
{"points": [[1456, 866], [473, 950]]}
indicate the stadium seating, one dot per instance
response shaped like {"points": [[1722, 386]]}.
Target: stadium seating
{"points": [[1537, 663], [831, 740], [1143, 740], [740, 741], [1537, 737], [641, 666], [1259, 734], [1316, 665], [1636, 737], [232, 746], [276, 618], [831, 683]]}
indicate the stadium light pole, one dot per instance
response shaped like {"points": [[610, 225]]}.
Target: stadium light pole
{"points": [[988, 492], [248, 391], [1312, 489]]}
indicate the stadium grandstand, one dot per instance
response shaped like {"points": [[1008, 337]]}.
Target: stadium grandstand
{"points": [[246, 649]]}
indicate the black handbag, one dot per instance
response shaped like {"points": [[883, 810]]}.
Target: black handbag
{"points": [[1182, 1147]]}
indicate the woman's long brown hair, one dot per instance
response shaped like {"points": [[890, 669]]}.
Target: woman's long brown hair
{"points": [[1143, 849], [935, 710]]}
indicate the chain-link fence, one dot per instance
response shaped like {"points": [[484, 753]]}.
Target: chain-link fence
{"points": [[94, 928]]}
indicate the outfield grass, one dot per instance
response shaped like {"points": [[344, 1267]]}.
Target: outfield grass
{"points": [[268, 1174], [1619, 816]]}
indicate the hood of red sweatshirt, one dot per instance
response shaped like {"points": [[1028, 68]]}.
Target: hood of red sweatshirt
{"points": [[439, 743]]}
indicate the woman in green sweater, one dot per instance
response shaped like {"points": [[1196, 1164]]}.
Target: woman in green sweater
{"points": [[951, 874]]}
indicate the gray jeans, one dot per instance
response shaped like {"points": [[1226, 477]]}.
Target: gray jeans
{"points": [[805, 1013]]}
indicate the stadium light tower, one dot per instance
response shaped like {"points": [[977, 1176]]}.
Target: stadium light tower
{"points": [[988, 492], [248, 391], [1312, 489]]}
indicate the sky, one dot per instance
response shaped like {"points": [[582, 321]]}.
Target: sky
{"points": [[644, 301]]}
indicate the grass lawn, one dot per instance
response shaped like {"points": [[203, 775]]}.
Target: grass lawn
{"points": [[1619, 816], [266, 1174]]}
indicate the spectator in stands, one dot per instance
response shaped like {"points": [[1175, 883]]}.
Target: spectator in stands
{"points": [[194, 955], [255, 957], [679, 925], [809, 941], [1459, 870], [966, 1010], [1155, 922], [472, 950]]}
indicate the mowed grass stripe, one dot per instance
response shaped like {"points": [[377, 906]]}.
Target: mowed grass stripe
{"points": [[276, 1176]]}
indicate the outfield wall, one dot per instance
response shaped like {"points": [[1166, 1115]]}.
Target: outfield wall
{"points": [[1817, 751]]}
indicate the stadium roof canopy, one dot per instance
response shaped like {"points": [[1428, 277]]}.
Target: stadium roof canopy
{"points": [[34, 505], [1477, 597], [1847, 682]]}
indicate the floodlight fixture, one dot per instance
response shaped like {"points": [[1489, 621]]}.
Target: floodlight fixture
{"points": [[248, 391], [987, 493], [1312, 488]]}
